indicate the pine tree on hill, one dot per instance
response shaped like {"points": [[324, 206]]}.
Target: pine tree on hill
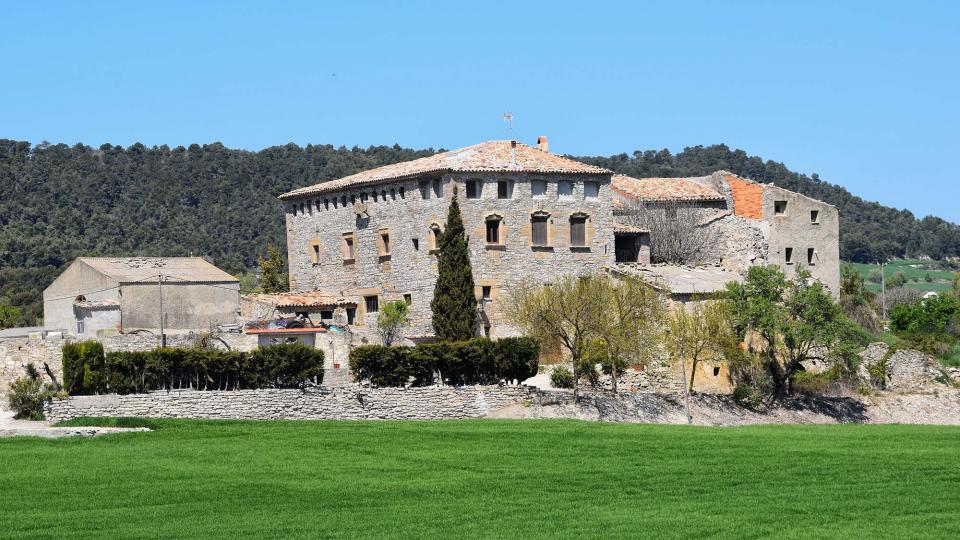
{"points": [[454, 305]]}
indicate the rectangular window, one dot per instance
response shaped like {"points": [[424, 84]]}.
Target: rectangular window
{"points": [[578, 231], [811, 256], [384, 243], [779, 207], [814, 216], [349, 249], [504, 189], [372, 303], [437, 191], [565, 190], [591, 190], [424, 189], [351, 315], [493, 231], [315, 252], [538, 226], [788, 255], [485, 292], [538, 188], [80, 326], [326, 315], [487, 330], [416, 244], [473, 189], [408, 299]]}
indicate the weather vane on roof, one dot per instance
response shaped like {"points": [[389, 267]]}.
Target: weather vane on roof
{"points": [[508, 118]]}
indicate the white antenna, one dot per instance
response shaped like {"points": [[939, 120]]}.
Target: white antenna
{"points": [[508, 118]]}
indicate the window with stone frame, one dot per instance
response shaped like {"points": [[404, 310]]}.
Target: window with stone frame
{"points": [[474, 188], [437, 188], [494, 232], [424, 186], [434, 237], [815, 217], [505, 189], [315, 251], [779, 207], [383, 243], [540, 229], [564, 189], [372, 303], [811, 256], [349, 247], [578, 230], [788, 255]]}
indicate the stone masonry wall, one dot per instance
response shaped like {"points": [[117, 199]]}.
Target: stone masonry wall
{"points": [[15, 354], [410, 267], [351, 403]]}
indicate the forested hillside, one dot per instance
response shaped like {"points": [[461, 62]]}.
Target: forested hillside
{"points": [[58, 202]]}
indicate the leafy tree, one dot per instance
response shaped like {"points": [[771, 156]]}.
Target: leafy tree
{"points": [[393, 317], [937, 316], [795, 320], [454, 304], [705, 331], [857, 302], [563, 314], [628, 322], [274, 277], [875, 276], [897, 280], [9, 315]]}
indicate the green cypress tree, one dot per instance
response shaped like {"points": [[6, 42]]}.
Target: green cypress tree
{"points": [[273, 272], [454, 305]]}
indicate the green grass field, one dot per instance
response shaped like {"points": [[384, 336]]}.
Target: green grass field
{"points": [[484, 478], [916, 272]]}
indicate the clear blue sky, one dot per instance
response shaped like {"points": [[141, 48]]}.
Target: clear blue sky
{"points": [[865, 94]]}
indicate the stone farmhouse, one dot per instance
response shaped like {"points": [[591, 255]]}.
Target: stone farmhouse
{"points": [[100, 296], [532, 215]]}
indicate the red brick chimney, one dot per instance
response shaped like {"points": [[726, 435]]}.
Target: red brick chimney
{"points": [[542, 143]]}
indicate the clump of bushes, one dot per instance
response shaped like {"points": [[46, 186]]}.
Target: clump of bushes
{"points": [[28, 395], [87, 370], [477, 361], [561, 377]]}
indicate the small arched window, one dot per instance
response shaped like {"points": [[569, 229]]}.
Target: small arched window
{"points": [[434, 236], [326, 204], [393, 193], [402, 193], [494, 229]]}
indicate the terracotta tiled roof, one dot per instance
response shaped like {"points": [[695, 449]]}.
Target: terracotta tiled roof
{"points": [[490, 156], [313, 299], [97, 304], [663, 189]]}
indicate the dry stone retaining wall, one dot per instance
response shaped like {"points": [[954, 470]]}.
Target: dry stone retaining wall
{"points": [[345, 403]]}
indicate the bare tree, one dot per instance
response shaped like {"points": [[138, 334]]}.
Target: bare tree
{"points": [[678, 231]]}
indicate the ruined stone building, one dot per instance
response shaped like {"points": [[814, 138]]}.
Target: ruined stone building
{"points": [[98, 296], [532, 215]]}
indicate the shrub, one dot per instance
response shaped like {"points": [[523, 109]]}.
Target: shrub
{"points": [[28, 394], [561, 377], [83, 363], [477, 361], [748, 395], [125, 372]]}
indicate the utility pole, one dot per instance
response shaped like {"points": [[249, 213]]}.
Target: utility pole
{"points": [[883, 291], [163, 338]]}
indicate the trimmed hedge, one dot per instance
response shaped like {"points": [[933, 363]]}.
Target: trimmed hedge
{"points": [[88, 371], [478, 361]]}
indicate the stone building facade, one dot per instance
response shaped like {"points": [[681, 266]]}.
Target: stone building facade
{"points": [[530, 216]]}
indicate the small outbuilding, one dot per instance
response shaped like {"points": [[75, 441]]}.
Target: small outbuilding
{"points": [[95, 296]]}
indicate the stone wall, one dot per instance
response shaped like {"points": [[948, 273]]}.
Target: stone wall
{"points": [[401, 210], [351, 403], [15, 354]]}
